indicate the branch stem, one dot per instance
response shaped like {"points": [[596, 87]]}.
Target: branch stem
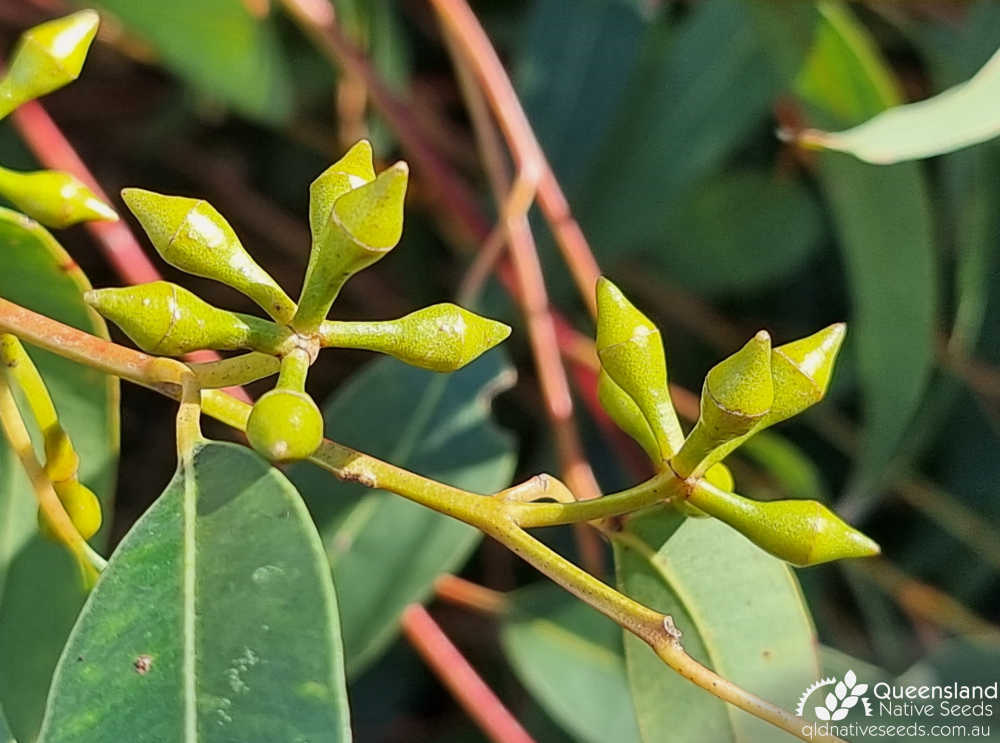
{"points": [[494, 516]]}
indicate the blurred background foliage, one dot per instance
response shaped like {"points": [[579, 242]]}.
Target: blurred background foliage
{"points": [[659, 119]]}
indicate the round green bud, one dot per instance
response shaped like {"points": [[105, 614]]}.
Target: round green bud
{"points": [[285, 426]]}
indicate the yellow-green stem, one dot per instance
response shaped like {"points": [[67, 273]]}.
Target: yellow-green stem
{"points": [[498, 518], [19, 439]]}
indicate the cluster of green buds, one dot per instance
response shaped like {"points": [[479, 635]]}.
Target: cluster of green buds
{"points": [[751, 390], [356, 218], [48, 57], [61, 460]]}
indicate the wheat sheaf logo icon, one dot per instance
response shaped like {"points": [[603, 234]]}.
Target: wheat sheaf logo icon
{"points": [[838, 702]]}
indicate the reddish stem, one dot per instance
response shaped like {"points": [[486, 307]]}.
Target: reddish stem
{"points": [[461, 679], [54, 151], [122, 250], [465, 593]]}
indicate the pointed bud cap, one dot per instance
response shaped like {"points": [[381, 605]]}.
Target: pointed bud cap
{"points": [[166, 319], [805, 532], [365, 224], [191, 235], [353, 170], [373, 213], [54, 198], [737, 394], [802, 532], [738, 391], [47, 57], [802, 370], [631, 352], [626, 414], [443, 337]]}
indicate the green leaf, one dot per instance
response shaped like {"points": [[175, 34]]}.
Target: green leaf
{"points": [[386, 551], [740, 611], [770, 228], [215, 620], [570, 658], [963, 115], [700, 89], [796, 475], [882, 217], [5, 735], [219, 47], [37, 273], [572, 63]]}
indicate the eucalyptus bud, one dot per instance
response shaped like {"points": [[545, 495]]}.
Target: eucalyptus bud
{"points": [[443, 337], [738, 392], [802, 532], [82, 507], [191, 235], [53, 198], [631, 352], [626, 414], [285, 424], [47, 57], [353, 170], [167, 319], [365, 223], [801, 372]]}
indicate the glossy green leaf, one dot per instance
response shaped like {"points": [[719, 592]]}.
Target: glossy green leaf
{"points": [[570, 657], [37, 273], [771, 226], [215, 620], [964, 115], [386, 551], [882, 217], [740, 612], [226, 53], [701, 87], [5, 735]]}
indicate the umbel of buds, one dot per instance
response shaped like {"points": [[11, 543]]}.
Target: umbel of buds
{"points": [[356, 218], [754, 388]]}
